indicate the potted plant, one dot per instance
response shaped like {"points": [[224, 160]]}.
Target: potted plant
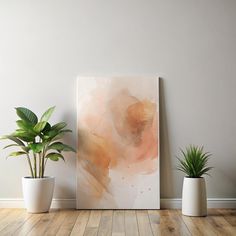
{"points": [[194, 163], [39, 142]]}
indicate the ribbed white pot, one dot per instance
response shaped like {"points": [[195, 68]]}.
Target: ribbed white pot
{"points": [[194, 201], [38, 193]]}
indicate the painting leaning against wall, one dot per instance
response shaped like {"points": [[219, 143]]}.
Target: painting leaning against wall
{"points": [[118, 143]]}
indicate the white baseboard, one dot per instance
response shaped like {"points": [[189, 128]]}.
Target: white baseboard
{"points": [[175, 203], [19, 203], [168, 203]]}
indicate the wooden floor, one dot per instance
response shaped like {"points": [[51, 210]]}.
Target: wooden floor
{"points": [[116, 223]]}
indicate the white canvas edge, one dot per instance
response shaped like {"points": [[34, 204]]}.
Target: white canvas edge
{"points": [[158, 136]]}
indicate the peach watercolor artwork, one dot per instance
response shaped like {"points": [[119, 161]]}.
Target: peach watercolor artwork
{"points": [[118, 143]]}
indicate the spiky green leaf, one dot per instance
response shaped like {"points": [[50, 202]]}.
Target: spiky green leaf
{"points": [[194, 161]]}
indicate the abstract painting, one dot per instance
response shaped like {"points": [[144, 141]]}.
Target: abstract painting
{"points": [[118, 143]]}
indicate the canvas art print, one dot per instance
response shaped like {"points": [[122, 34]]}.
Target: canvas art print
{"points": [[118, 143]]}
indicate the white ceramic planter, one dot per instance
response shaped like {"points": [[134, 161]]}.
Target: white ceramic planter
{"points": [[38, 193], [194, 202]]}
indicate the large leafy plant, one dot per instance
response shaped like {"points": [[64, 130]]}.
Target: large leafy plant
{"points": [[38, 140], [194, 162]]}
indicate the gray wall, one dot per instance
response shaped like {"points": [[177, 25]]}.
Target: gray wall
{"points": [[190, 44]]}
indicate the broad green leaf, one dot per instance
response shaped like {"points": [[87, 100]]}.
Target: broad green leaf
{"points": [[47, 114], [15, 154], [51, 134], [26, 126], [59, 146], [22, 124], [26, 115], [47, 128], [40, 126], [55, 156], [59, 126], [24, 135], [36, 147], [14, 139], [66, 131], [68, 148], [57, 137], [11, 145], [54, 135], [56, 146]]}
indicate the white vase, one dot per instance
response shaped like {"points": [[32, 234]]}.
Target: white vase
{"points": [[194, 202], [38, 193]]}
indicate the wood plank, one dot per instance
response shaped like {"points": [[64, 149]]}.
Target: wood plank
{"points": [[118, 224], [190, 225], [131, 225], [220, 223], [179, 223], [94, 218], [68, 223], [93, 223], [28, 225], [42, 224], [80, 224], [56, 223], [105, 226], [18, 221], [9, 218], [143, 223], [167, 224], [204, 226], [4, 212], [154, 217], [229, 215]]}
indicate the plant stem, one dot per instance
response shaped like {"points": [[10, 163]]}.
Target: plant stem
{"points": [[43, 159], [40, 166], [35, 166], [30, 165], [45, 164]]}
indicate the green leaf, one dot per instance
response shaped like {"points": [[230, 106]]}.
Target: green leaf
{"points": [[24, 135], [36, 147], [51, 134], [28, 127], [194, 162], [40, 126], [15, 154], [68, 148], [23, 124], [14, 139], [11, 145], [59, 146], [59, 126], [26, 115], [66, 131], [47, 128], [47, 114], [55, 156]]}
